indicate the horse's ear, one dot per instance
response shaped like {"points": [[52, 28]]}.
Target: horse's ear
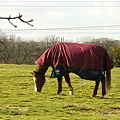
{"points": [[31, 73]]}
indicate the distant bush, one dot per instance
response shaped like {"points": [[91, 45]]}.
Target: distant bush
{"points": [[115, 55]]}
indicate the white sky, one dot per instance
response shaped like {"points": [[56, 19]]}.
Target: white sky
{"points": [[48, 14]]}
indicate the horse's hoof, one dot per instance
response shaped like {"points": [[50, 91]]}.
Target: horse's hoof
{"points": [[71, 92], [58, 93], [93, 96], [102, 97]]}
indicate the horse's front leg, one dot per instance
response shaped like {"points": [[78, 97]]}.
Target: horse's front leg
{"points": [[59, 85], [95, 88], [67, 79]]}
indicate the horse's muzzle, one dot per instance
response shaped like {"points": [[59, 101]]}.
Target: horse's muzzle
{"points": [[36, 90]]}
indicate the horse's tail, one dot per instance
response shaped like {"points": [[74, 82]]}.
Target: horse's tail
{"points": [[108, 80]]}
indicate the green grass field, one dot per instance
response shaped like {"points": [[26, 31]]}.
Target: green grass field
{"points": [[18, 101]]}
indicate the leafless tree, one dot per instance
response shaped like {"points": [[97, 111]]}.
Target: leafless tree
{"points": [[1, 42], [19, 51], [105, 42]]}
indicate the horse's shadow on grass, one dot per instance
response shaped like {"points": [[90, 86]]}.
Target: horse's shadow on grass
{"points": [[90, 97], [107, 98], [62, 96]]}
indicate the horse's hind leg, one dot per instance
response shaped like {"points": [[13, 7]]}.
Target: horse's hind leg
{"points": [[103, 86], [95, 88], [97, 85], [67, 79], [59, 85]]}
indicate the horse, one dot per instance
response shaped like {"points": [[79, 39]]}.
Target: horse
{"points": [[88, 61]]}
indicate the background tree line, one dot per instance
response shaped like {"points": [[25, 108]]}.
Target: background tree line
{"points": [[16, 50]]}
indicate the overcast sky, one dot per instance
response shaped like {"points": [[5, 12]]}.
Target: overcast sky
{"points": [[71, 19]]}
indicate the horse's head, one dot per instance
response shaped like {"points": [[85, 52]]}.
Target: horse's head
{"points": [[39, 80]]}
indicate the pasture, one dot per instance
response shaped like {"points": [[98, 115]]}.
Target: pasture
{"points": [[18, 101]]}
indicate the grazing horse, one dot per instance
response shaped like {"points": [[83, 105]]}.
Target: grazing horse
{"points": [[88, 61]]}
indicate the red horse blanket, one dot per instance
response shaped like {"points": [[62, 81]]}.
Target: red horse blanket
{"points": [[86, 60]]}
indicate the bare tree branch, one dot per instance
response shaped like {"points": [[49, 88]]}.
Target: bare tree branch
{"points": [[17, 17], [2, 42]]}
